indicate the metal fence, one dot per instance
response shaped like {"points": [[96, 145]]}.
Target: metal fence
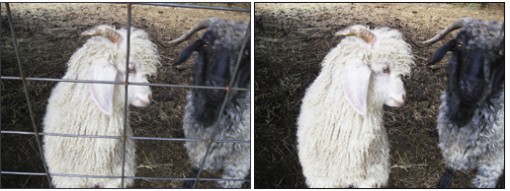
{"points": [[37, 135]]}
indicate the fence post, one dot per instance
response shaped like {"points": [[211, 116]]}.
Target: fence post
{"points": [[25, 90]]}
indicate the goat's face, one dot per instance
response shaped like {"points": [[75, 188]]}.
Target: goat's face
{"points": [[138, 95], [372, 75], [110, 65], [142, 63], [387, 85], [475, 71], [215, 67], [372, 86], [217, 62], [104, 94]]}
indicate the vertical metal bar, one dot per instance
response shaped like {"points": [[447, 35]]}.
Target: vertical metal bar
{"points": [[1, 95], [240, 56], [252, 98], [124, 137], [24, 82], [225, 100]]}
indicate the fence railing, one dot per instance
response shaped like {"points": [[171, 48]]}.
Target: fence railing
{"points": [[37, 135]]}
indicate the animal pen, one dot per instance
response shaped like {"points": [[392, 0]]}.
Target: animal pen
{"points": [[291, 41], [36, 42]]}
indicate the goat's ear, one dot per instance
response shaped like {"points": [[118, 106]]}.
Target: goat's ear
{"points": [[442, 51], [186, 53], [356, 78], [102, 94]]}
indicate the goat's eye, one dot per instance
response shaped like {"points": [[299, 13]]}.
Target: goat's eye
{"points": [[386, 70], [132, 70]]}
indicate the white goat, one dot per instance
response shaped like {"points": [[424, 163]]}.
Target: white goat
{"points": [[97, 109], [341, 138]]}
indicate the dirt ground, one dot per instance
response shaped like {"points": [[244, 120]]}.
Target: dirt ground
{"points": [[48, 34], [290, 42]]}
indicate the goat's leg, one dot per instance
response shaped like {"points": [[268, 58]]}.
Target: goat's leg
{"points": [[446, 180], [237, 166], [129, 168], [378, 163], [490, 168], [234, 171], [191, 183], [487, 176], [501, 181]]}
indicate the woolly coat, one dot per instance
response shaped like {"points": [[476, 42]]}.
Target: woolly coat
{"points": [[478, 145], [338, 147], [72, 110], [233, 123]]}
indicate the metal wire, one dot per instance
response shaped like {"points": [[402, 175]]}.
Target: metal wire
{"points": [[1, 95], [122, 83], [196, 6], [98, 176], [25, 90], [126, 83], [119, 137], [126, 104]]}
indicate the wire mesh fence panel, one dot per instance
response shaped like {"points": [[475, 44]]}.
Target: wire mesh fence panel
{"points": [[37, 41]]}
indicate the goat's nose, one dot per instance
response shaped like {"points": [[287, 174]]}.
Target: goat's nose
{"points": [[148, 99], [396, 100], [143, 100]]}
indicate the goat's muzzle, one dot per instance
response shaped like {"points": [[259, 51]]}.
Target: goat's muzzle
{"points": [[471, 89]]}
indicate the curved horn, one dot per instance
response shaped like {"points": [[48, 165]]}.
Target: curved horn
{"points": [[456, 25], [105, 31], [199, 26], [359, 31]]}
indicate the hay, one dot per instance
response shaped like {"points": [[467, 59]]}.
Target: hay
{"points": [[290, 42], [48, 34]]}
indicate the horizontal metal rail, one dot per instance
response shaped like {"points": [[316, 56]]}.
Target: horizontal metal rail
{"points": [[120, 83], [195, 6], [126, 83], [100, 176], [119, 137]]}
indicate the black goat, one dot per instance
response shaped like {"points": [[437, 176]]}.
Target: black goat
{"points": [[219, 50], [471, 115]]}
